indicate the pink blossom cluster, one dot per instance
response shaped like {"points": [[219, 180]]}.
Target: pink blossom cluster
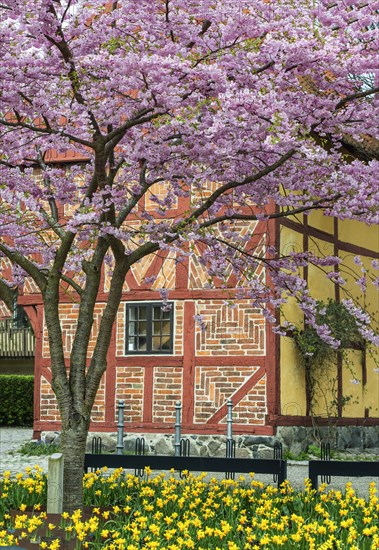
{"points": [[245, 112]]}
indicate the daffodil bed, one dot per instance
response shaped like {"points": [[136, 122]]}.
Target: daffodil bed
{"points": [[130, 513]]}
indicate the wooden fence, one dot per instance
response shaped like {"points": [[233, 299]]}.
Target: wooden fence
{"points": [[16, 342]]}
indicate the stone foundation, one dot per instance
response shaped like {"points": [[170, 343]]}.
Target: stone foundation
{"points": [[354, 439], [295, 440]]}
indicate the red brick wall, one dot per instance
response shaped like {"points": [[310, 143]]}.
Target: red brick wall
{"points": [[130, 388], [167, 389], [49, 406], [68, 314], [49, 411], [238, 330], [215, 385]]}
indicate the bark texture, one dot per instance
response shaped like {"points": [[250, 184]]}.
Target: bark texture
{"points": [[73, 446]]}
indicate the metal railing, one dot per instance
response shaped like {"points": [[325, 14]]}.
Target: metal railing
{"points": [[182, 459], [339, 468], [190, 463], [16, 342], [325, 468]]}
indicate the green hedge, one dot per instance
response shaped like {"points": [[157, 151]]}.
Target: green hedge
{"points": [[16, 400]]}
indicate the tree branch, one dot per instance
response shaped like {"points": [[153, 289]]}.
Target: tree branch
{"points": [[47, 183], [7, 295], [135, 198], [167, 18], [26, 265], [40, 129], [72, 283], [252, 217], [113, 138], [235, 184], [66, 11], [264, 67], [205, 26], [78, 356], [358, 95], [66, 53]]}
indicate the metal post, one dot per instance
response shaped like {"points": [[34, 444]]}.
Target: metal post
{"points": [[120, 427], [229, 429], [96, 445], [178, 408], [139, 450], [325, 455], [230, 443], [185, 447], [278, 455], [96, 448]]}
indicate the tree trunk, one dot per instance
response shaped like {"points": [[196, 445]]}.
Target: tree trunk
{"points": [[73, 446]]}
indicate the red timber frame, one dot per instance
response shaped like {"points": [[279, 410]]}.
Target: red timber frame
{"points": [[265, 365]]}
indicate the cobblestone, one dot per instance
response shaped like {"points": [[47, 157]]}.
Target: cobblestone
{"points": [[11, 439]]}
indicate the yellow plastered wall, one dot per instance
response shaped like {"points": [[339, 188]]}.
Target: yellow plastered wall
{"points": [[292, 380], [360, 399]]}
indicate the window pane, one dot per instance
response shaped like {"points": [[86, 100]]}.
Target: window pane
{"points": [[142, 325], [156, 343], [132, 344], [159, 313], [166, 342], [142, 313], [132, 328], [161, 343], [156, 313], [142, 343], [157, 328], [132, 310], [166, 328]]}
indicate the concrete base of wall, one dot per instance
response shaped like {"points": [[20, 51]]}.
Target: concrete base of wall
{"points": [[295, 440]]}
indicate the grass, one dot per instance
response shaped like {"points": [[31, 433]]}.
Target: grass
{"points": [[31, 448], [314, 451], [39, 448]]}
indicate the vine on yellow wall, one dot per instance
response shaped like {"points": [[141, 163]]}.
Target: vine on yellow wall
{"points": [[317, 356]]}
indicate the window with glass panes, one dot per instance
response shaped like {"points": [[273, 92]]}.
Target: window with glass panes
{"points": [[149, 328]]}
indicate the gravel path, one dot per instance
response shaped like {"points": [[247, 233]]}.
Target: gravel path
{"points": [[11, 439]]}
